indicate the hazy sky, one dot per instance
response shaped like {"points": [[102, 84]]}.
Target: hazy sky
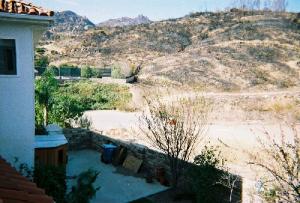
{"points": [[101, 10]]}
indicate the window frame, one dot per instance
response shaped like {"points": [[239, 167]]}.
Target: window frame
{"points": [[17, 75]]}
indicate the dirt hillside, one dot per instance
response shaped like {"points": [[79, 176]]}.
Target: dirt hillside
{"points": [[226, 51]]}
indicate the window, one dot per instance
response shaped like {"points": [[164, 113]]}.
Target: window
{"points": [[8, 57]]}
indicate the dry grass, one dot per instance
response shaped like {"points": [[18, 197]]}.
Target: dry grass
{"points": [[196, 50], [278, 105]]}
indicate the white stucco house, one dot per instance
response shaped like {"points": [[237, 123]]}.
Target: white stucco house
{"points": [[21, 25]]}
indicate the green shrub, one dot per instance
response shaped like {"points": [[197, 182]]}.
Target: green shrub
{"points": [[87, 72], [40, 50], [42, 61], [205, 176], [53, 180], [265, 54], [45, 88], [53, 52], [97, 73], [116, 72], [84, 190], [70, 100], [39, 116], [65, 108], [23, 168], [66, 65], [203, 35], [270, 194], [53, 69], [40, 130], [95, 96], [285, 83], [259, 76]]}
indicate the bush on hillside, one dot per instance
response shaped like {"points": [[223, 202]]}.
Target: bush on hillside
{"points": [[116, 72], [95, 96], [66, 65], [42, 61], [72, 99], [86, 72]]}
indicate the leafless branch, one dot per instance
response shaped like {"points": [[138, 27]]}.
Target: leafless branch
{"points": [[175, 128], [279, 157]]}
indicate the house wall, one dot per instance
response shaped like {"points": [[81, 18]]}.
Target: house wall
{"points": [[17, 98]]}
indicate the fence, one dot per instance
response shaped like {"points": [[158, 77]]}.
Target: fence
{"points": [[71, 71]]}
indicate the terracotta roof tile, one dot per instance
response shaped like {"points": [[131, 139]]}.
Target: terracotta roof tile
{"points": [[15, 188], [20, 7]]}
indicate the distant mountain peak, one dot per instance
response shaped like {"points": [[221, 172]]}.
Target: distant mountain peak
{"points": [[70, 21], [125, 21]]}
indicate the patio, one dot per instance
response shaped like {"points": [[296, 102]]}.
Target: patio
{"points": [[115, 187]]}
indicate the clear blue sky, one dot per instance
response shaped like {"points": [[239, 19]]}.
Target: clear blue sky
{"points": [[101, 10]]}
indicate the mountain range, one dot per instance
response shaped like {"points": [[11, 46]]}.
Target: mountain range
{"points": [[125, 21], [69, 21]]}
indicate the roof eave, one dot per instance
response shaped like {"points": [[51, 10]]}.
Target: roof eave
{"points": [[25, 18]]}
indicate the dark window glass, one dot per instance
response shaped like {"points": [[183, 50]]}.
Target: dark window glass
{"points": [[8, 57]]}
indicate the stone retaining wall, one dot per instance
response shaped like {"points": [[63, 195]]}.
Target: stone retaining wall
{"points": [[151, 159], [78, 138], [88, 139], [85, 139]]}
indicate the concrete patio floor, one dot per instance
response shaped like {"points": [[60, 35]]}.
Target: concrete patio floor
{"points": [[115, 187]]}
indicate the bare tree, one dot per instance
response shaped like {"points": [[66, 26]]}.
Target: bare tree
{"points": [[280, 158], [267, 5], [256, 4], [229, 181], [279, 5], [251, 5], [175, 128], [241, 4]]}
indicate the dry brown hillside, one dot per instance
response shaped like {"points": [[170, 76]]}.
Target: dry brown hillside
{"points": [[221, 51]]}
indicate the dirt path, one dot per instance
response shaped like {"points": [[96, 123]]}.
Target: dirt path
{"points": [[291, 92]]}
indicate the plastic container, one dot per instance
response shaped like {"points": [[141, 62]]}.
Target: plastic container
{"points": [[108, 152]]}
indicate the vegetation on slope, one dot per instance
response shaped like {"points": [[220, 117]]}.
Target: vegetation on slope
{"points": [[224, 51], [68, 101]]}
